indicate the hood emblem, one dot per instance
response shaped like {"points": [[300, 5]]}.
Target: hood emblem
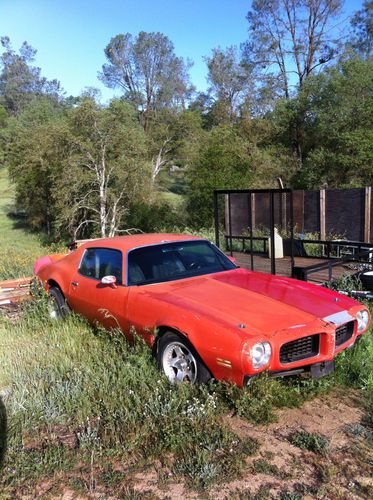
{"points": [[241, 325]]}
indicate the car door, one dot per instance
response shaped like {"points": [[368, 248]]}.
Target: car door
{"points": [[98, 302]]}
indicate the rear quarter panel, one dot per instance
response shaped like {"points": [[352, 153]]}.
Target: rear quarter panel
{"points": [[60, 270]]}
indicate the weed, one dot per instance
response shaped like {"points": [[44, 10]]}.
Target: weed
{"points": [[263, 492], [110, 477], [310, 441], [290, 495], [263, 466], [326, 471], [213, 454]]}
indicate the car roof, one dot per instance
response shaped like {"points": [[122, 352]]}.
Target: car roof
{"points": [[128, 242]]}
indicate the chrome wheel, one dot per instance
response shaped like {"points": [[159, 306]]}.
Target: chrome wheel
{"points": [[179, 364], [53, 308], [57, 307]]}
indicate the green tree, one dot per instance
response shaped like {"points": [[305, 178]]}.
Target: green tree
{"points": [[148, 72], [174, 139], [291, 37], [20, 81], [362, 24], [224, 163], [77, 170], [230, 79], [104, 170], [339, 127], [33, 154]]}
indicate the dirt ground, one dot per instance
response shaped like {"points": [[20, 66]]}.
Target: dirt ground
{"points": [[279, 470]]}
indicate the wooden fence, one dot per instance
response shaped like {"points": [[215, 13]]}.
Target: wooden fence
{"points": [[347, 213]]}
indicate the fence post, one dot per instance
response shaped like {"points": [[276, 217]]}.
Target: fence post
{"points": [[367, 214], [272, 231], [322, 215], [216, 218], [230, 224]]}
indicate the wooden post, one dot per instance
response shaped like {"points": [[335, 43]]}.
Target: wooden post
{"points": [[322, 215], [367, 215], [284, 214], [227, 218], [253, 211]]}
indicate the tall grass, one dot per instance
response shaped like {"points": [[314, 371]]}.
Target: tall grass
{"points": [[65, 379], [77, 399]]}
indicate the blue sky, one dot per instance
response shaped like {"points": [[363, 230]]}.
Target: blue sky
{"points": [[70, 36]]}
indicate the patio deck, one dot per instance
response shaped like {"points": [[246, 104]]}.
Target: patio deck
{"points": [[283, 266]]}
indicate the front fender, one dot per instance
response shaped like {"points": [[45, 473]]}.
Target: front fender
{"points": [[219, 349]]}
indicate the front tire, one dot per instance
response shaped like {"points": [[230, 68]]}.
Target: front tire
{"points": [[57, 306], [179, 361]]}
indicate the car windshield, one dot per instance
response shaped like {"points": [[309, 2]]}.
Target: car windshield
{"points": [[174, 261]]}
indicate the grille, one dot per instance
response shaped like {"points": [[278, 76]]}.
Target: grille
{"points": [[298, 349], [344, 333]]}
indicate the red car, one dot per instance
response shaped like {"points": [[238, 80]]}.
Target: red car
{"points": [[203, 316]]}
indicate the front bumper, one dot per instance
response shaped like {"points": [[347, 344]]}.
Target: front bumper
{"points": [[313, 370]]}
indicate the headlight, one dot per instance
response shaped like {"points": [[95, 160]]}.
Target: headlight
{"points": [[362, 320], [261, 354]]}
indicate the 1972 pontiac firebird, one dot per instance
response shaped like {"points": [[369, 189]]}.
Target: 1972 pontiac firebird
{"points": [[202, 315]]}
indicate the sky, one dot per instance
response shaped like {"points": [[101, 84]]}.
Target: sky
{"points": [[70, 35]]}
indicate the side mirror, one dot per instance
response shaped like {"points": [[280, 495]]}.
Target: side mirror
{"points": [[232, 259], [109, 280]]}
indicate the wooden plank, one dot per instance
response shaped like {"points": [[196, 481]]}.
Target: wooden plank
{"points": [[253, 211], [367, 213], [322, 215], [14, 291]]}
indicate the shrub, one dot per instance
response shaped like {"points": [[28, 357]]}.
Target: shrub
{"points": [[310, 441]]}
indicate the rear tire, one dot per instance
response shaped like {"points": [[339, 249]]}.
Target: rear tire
{"points": [[57, 306], [179, 361]]}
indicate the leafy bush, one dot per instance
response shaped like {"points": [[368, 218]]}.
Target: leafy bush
{"points": [[310, 441]]}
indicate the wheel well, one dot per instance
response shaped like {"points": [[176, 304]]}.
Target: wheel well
{"points": [[54, 284], [161, 330]]}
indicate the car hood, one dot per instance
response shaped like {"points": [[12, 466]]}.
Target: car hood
{"points": [[262, 302]]}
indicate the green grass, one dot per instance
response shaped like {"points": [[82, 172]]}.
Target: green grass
{"points": [[18, 247], [65, 379], [110, 395]]}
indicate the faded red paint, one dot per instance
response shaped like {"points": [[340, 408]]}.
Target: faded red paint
{"points": [[208, 309]]}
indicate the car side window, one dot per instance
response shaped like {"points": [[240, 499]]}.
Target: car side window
{"points": [[99, 262]]}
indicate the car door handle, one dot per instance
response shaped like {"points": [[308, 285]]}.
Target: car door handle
{"points": [[74, 283]]}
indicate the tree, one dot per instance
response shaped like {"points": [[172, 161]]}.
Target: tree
{"points": [[148, 72], [20, 82], [33, 154], [224, 163], [77, 170], [174, 139], [104, 170], [339, 127], [362, 24], [229, 78], [291, 37]]}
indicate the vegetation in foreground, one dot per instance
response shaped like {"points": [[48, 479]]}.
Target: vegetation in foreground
{"points": [[82, 401]]}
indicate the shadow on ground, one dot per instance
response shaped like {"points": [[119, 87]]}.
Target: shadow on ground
{"points": [[3, 432]]}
